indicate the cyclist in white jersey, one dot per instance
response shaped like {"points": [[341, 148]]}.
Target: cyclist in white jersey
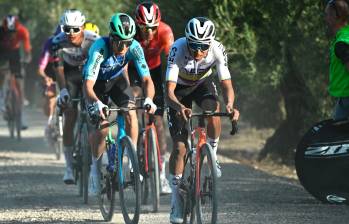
{"points": [[71, 48], [188, 79]]}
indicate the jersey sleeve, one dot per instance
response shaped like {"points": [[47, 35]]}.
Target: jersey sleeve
{"points": [[222, 63], [172, 66], [25, 36], [95, 57], [167, 39], [45, 55], [137, 56]]}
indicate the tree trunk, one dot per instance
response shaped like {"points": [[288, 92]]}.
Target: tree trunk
{"points": [[298, 105]]}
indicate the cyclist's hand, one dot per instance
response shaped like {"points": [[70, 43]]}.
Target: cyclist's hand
{"points": [[236, 115], [152, 105], [48, 81], [63, 97], [27, 58], [102, 108], [185, 113]]}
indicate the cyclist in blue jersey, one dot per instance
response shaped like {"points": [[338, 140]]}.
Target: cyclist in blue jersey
{"points": [[105, 75]]}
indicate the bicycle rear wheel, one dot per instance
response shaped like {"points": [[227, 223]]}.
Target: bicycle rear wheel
{"points": [[58, 135], [129, 182], [106, 194], [206, 195], [141, 162], [153, 170]]}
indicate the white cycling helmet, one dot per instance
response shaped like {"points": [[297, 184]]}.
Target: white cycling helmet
{"points": [[200, 30], [72, 18]]}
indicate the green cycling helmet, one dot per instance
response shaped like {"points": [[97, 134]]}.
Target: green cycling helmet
{"points": [[122, 25]]}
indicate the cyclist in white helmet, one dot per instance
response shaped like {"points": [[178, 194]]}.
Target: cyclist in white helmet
{"points": [[71, 48], [188, 79]]}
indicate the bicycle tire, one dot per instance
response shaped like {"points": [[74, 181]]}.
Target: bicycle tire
{"points": [[106, 194], [86, 161], [187, 192], [141, 163], [78, 162], [207, 195], [129, 182], [154, 173]]}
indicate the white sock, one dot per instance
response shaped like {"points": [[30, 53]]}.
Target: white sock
{"points": [[68, 154], [49, 120], [213, 143], [163, 168], [175, 187]]}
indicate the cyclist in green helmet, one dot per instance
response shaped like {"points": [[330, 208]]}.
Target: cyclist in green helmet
{"points": [[105, 75]]}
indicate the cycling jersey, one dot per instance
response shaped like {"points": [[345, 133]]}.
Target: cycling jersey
{"points": [[68, 52], [11, 41], [162, 41], [103, 64], [46, 57], [182, 68]]}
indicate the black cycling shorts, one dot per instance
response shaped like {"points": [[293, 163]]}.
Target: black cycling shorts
{"points": [[73, 80], [119, 90], [13, 57], [156, 76], [186, 95]]}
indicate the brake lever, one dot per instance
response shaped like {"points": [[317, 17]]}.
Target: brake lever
{"points": [[234, 127]]}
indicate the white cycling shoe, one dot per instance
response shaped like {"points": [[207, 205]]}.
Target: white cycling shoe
{"points": [[164, 186], [68, 177]]}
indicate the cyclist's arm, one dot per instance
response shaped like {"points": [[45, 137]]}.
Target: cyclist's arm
{"points": [[143, 70], [43, 61], [342, 52], [228, 93], [171, 98], [91, 69], [167, 40]]}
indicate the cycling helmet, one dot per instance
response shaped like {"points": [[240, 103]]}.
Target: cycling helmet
{"points": [[122, 25], [91, 27], [73, 18], [200, 30], [148, 14], [10, 23]]}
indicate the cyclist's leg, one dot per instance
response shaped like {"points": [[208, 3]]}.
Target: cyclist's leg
{"points": [[122, 96], [207, 98], [73, 82], [179, 135], [156, 75]]}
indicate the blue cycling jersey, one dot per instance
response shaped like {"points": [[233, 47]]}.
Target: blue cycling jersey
{"points": [[103, 64]]}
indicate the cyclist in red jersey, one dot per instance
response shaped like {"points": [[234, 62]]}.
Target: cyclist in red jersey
{"points": [[155, 37], [12, 34]]}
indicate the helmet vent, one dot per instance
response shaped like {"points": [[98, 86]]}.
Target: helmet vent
{"points": [[112, 26]]}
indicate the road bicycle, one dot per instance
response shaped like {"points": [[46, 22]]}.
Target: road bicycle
{"points": [[120, 173], [55, 134], [13, 107], [198, 185], [148, 153]]}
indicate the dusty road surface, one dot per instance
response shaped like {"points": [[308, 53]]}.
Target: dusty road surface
{"points": [[32, 191]]}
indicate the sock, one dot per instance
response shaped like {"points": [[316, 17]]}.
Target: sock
{"points": [[175, 179], [49, 120], [163, 167], [213, 143], [68, 154], [94, 166]]}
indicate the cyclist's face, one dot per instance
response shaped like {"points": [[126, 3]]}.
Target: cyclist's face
{"points": [[120, 47], [74, 34], [148, 33], [198, 51]]}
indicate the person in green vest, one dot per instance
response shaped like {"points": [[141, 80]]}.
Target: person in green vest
{"points": [[336, 17]]}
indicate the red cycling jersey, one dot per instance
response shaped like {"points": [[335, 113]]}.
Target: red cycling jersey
{"points": [[161, 42], [13, 42]]}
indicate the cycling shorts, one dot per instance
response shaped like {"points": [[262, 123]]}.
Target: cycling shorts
{"points": [[13, 57], [119, 91], [186, 95], [73, 79], [157, 77]]}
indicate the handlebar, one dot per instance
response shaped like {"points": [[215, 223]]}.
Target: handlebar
{"points": [[234, 124]]}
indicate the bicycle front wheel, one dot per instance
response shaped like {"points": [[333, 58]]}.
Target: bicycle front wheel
{"points": [[129, 182], [206, 186], [153, 170]]}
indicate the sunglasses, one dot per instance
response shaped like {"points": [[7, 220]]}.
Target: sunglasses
{"points": [[198, 46], [146, 28], [120, 43], [69, 30]]}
